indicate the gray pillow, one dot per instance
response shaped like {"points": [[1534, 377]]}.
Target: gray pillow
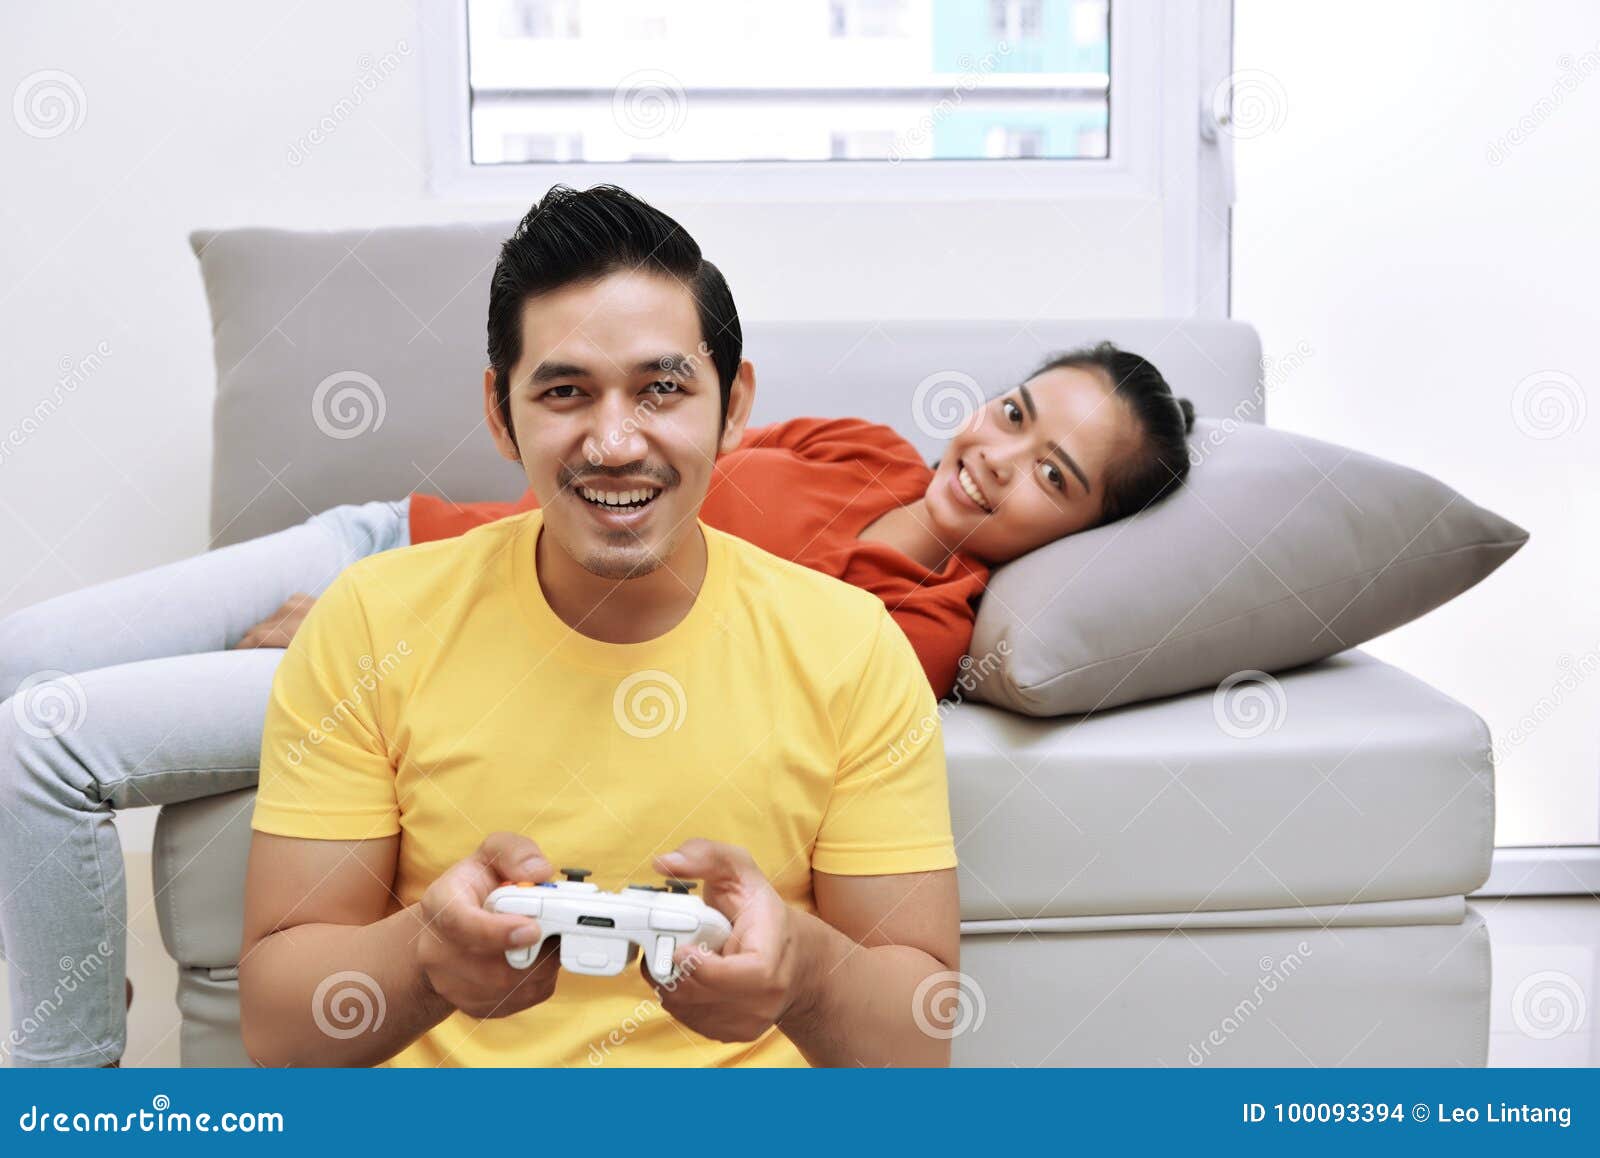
{"points": [[1278, 550]]}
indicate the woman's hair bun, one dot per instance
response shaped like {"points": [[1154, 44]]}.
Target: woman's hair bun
{"points": [[1188, 414]]}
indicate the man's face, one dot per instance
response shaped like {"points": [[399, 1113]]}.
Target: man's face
{"points": [[616, 398]]}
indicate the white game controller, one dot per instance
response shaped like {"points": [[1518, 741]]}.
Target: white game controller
{"points": [[602, 932]]}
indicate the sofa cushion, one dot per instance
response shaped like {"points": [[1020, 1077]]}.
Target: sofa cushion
{"points": [[1278, 550], [1355, 782], [1345, 781]]}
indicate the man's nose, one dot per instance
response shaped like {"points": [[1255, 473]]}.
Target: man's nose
{"points": [[617, 434]]}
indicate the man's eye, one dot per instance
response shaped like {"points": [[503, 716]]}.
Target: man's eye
{"points": [[552, 392], [671, 387]]}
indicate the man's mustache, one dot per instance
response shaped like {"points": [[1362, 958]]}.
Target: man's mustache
{"points": [[569, 477]]}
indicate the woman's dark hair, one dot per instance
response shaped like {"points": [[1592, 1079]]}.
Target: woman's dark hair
{"points": [[1161, 464], [570, 237]]}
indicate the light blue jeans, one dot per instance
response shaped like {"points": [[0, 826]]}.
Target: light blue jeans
{"points": [[120, 695]]}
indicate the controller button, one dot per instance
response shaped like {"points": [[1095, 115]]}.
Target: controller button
{"points": [[577, 874], [593, 960], [661, 966], [679, 886], [673, 922]]}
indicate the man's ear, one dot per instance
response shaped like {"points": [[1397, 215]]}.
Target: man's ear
{"points": [[741, 397], [504, 443]]}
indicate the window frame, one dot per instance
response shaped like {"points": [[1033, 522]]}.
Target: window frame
{"points": [[1165, 60]]}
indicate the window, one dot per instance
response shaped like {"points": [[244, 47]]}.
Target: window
{"points": [[618, 81], [845, 101]]}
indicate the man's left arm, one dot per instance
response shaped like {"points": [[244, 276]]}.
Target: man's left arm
{"points": [[870, 978], [876, 971]]}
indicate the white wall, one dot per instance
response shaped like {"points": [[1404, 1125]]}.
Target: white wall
{"points": [[1420, 210], [192, 110]]}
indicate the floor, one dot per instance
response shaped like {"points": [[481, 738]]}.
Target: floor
{"points": [[1545, 1005]]}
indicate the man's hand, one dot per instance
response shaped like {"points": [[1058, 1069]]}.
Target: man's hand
{"points": [[277, 629], [462, 948], [738, 994]]}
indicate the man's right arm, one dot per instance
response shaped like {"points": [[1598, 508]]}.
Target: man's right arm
{"points": [[333, 974]]}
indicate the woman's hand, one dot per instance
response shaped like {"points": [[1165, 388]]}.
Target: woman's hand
{"points": [[277, 629]]}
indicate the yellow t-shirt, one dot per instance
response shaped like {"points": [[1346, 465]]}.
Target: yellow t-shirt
{"points": [[432, 692]]}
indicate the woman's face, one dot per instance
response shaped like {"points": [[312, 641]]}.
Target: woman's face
{"points": [[1036, 458]]}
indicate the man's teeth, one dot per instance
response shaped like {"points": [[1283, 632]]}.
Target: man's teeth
{"points": [[618, 498], [971, 488]]}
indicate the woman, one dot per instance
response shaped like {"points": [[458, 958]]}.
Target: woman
{"points": [[170, 669]]}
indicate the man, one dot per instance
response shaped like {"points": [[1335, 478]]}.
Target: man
{"points": [[608, 682]]}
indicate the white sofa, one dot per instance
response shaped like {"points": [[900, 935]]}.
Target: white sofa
{"points": [[1139, 886]]}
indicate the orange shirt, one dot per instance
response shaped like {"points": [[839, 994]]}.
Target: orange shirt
{"points": [[804, 490]]}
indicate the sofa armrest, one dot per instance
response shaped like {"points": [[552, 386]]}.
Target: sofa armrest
{"points": [[201, 850]]}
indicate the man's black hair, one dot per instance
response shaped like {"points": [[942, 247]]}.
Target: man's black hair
{"points": [[570, 237]]}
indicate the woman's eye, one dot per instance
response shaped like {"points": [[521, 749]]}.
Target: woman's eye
{"points": [[1010, 410], [1057, 479]]}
